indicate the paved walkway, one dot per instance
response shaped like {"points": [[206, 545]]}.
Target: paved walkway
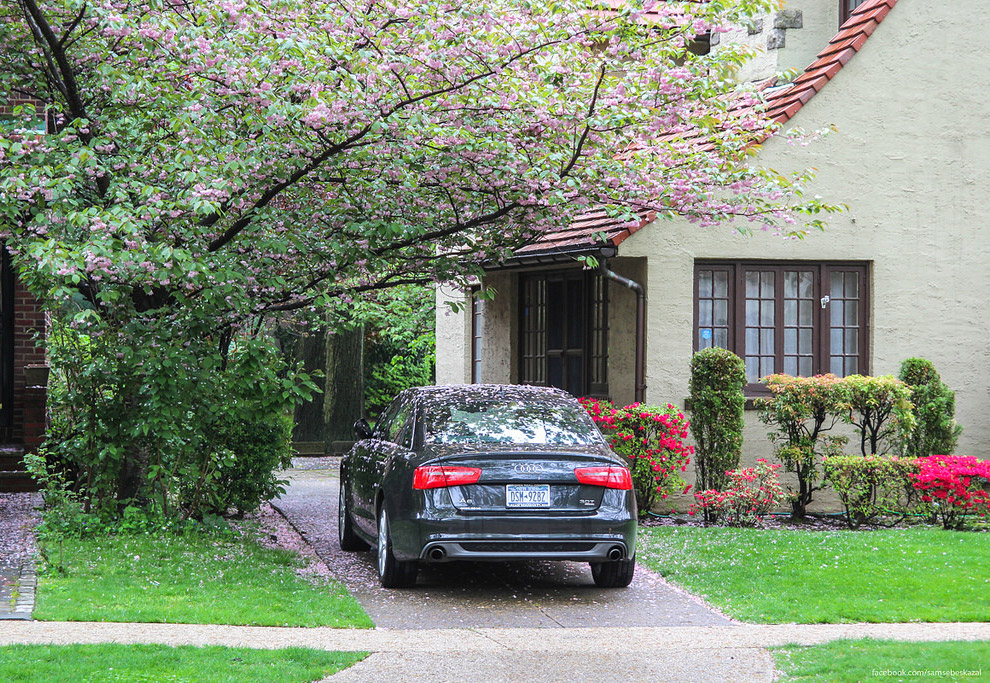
{"points": [[683, 653]]}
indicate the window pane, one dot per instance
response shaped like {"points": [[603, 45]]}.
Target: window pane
{"points": [[836, 289], [721, 283], [704, 283], [721, 338], [852, 342], [804, 313], [806, 285], [852, 313], [852, 365], [805, 367], [790, 365], [852, 285], [752, 312], [752, 340], [836, 367], [752, 368], [790, 312], [790, 342], [705, 313], [836, 341], [836, 307], [766, 366], [804, 341], [721, 313], [753, 284], [766, 314], [791, 284], [766, 341], [766, 286], [704, 343]]}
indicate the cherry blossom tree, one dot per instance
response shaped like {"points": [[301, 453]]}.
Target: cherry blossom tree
{"points": [[209, 164]]}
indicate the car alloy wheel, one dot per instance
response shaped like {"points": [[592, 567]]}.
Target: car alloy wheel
{"points": [[392, 573]]}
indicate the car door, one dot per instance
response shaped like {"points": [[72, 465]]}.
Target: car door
{"points": [[363, 470]]}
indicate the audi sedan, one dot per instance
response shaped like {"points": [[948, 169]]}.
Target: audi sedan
{"points": [[490, 473]]}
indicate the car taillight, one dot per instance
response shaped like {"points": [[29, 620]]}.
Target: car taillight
{"points": [[437, 476], [609, 477]]}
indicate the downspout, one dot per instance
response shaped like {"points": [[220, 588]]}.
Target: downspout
{"points": [[640, 380]]}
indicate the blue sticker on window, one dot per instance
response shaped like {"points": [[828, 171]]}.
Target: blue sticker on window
{"points": [[706, 333]]}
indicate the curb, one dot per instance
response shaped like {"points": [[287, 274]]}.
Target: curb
{"points": [[21, 604]]}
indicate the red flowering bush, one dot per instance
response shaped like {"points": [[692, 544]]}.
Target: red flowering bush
{"points": [[751, 494], [651, 438], [954, 485]]}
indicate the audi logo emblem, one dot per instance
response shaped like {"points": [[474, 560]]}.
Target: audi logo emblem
{"points": [[528, 468]]}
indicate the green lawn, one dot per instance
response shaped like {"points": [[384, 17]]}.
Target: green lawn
{"points": [[114, 662], [193, 579], [864, 660], [783, 576]]}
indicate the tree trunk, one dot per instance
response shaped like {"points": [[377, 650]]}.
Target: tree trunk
{"points": [[343, 400]]}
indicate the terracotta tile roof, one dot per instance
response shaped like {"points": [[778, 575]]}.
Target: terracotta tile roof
{"points": [[783, 103], [587, 230], [590, 229]]}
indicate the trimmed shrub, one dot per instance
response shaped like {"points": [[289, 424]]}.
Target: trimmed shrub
{"points": [[247, 457], [798, 412], [717, 402], [651, 438], [935, 430], [955, 485], [750, 495], [872, 486], [880, 409]]}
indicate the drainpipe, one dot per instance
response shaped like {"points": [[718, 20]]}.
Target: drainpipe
{"points": [[640, 392]]}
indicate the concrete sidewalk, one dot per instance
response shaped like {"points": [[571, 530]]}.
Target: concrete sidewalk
{"points": [[683, 653]]}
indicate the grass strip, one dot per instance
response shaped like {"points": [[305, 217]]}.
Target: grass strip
{"points": [[190, 579], [785, 576], [114, 662], [868, 659]]}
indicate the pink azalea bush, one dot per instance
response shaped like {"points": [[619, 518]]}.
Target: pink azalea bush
{"points": [[955, 485], [751, 494], [652, 439]]}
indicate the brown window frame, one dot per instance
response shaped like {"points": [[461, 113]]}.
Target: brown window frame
{"points": [[588, 292], [822, 328], [846, 8]]}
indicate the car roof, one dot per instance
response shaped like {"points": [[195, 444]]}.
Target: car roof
{"points": [[511, 392]]}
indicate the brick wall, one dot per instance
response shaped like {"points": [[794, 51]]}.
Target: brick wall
{"points": [[30, 375]]}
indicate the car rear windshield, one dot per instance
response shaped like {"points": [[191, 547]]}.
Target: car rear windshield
{"points": [[514, 422]]}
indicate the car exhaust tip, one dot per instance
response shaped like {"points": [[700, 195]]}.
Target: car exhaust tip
{"points": [[437, 554], [615, 553]]}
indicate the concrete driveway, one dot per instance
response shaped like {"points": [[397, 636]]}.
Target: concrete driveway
{"points": [[482, 594]]}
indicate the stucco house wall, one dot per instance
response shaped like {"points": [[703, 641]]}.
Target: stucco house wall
{"points": [[910, 156]]}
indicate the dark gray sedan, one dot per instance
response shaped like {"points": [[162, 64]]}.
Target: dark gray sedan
{"points": [[487, 472]]}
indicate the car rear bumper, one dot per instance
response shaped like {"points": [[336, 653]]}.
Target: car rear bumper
{"points": [[506, 549]]}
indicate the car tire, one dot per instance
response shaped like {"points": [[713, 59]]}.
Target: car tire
{"points": [[613, 574], [392, 573], [345, 527]]}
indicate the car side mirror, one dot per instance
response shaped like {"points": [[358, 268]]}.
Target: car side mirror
{"points": [[362, 430]]}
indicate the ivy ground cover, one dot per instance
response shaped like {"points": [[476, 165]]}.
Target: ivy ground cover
{"points": [[191, 579], [798, 576]]}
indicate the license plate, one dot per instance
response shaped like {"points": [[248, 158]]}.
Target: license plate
{"points": [[527, 496]]}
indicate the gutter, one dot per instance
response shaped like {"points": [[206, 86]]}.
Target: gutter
{"points": [[640, 380]]}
